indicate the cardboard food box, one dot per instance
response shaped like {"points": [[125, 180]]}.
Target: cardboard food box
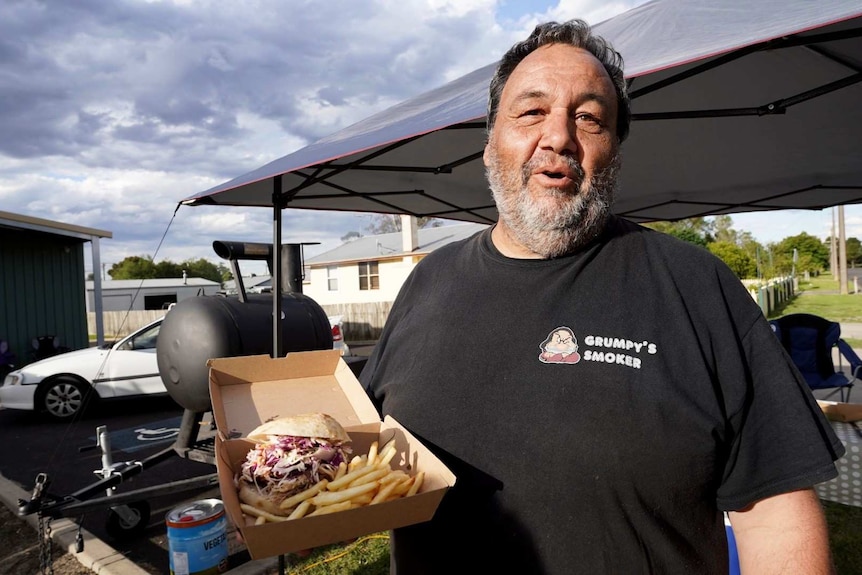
{"points": [[837, 411], [246, 391]]}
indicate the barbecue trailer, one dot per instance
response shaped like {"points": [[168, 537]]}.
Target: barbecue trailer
{"points": [[194, 331]]}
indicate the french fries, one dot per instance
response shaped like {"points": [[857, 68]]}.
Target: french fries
{"points": [[295, 500], [366, 480], [258, 513], [330, 497], [300, 510]]}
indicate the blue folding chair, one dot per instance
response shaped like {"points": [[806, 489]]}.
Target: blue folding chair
{"points": [[732, 554], [810, 340]]}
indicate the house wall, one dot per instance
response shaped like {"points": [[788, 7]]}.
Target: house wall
{"points": [[392, 272], [364, 311]]}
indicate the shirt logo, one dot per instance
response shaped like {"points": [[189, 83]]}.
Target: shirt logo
{"points": [[561, 346]]}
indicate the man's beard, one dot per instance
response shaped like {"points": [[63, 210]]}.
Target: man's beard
{"points": [[560, 222]]}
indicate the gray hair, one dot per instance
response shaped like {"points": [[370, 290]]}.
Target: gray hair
{"points": [[576, 33]]}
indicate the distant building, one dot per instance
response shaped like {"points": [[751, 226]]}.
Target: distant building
{"points": [[149, 294], [252, 284], [372, 268]]}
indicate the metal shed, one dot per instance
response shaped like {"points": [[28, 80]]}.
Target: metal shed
{"points": [[42, 282], [148, 294]]}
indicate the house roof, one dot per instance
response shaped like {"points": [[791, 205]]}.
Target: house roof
{"points": [[248, 282], [153, 283], [8, 219], [383, 246]]}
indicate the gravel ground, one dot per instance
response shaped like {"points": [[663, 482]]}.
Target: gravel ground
{"points": [[19, 550]]}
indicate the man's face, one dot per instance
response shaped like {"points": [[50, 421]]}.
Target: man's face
{"points": [[552, 155]]}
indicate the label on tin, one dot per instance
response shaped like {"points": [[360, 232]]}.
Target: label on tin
{"points": [[179, 563]]}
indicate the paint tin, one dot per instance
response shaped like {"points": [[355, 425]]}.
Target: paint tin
{"points": [[197, 538]]}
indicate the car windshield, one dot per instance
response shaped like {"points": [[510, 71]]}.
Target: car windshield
{"points": [[145, 339]]}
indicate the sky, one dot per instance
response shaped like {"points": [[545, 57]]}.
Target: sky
{"points": [[111, 113]]}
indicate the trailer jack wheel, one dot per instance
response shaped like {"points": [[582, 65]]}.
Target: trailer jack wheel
{"points": [[125, 521]]}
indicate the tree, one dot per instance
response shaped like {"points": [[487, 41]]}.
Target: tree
{"points": [[751, 246], [719, 230], [390, 223], [854, 252], [224, 272], [697, 231], [169, 269], [736, 258], [133, 268], [689, 235], [812, 256], [201, 268], [350, 236], [724, 231], [142, 267]]}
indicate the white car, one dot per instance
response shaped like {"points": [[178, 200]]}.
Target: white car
{"points": [[61, 385]]}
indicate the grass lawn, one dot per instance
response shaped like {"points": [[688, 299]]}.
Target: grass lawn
{"points": [[367, 555], [819, 296], [845, 537], [370, 555]]}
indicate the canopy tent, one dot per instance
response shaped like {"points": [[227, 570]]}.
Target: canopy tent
{"points": [[737, 106]]}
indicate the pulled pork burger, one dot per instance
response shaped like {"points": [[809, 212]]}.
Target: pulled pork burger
{"points": [[292, 454]]}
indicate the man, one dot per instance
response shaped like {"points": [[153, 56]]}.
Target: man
{"points": [[679, 406]]}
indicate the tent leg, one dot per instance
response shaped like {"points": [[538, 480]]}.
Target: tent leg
{"points": [[277, 344]]}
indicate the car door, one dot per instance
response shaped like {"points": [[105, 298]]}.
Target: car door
{"points": [[132, 368]]}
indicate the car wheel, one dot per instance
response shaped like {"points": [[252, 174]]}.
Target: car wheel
{"points": [[64, 398], [130, 522]]}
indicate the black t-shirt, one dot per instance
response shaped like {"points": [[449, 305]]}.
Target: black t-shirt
{"points": [[599, 410]]}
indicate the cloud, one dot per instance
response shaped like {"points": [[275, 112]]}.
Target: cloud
{"points": [[113, 112]]}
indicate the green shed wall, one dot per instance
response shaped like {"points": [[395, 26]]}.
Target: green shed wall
{"points": [[41, 290]]}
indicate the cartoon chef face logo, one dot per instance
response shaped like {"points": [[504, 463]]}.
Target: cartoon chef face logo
{"points": [[561, 346]]}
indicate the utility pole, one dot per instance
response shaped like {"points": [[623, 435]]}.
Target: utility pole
{"points": [[842, 254], [833, 249]]}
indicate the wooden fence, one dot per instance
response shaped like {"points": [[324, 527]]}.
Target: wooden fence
{"points": [[361, 322], [772, 293], [119, 324]]}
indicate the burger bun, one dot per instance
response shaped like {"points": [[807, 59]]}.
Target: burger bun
{"points": [[304, 425], [250, 495]]}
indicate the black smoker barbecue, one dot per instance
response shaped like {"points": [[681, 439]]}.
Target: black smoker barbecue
{"points": [[193, 331]]}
